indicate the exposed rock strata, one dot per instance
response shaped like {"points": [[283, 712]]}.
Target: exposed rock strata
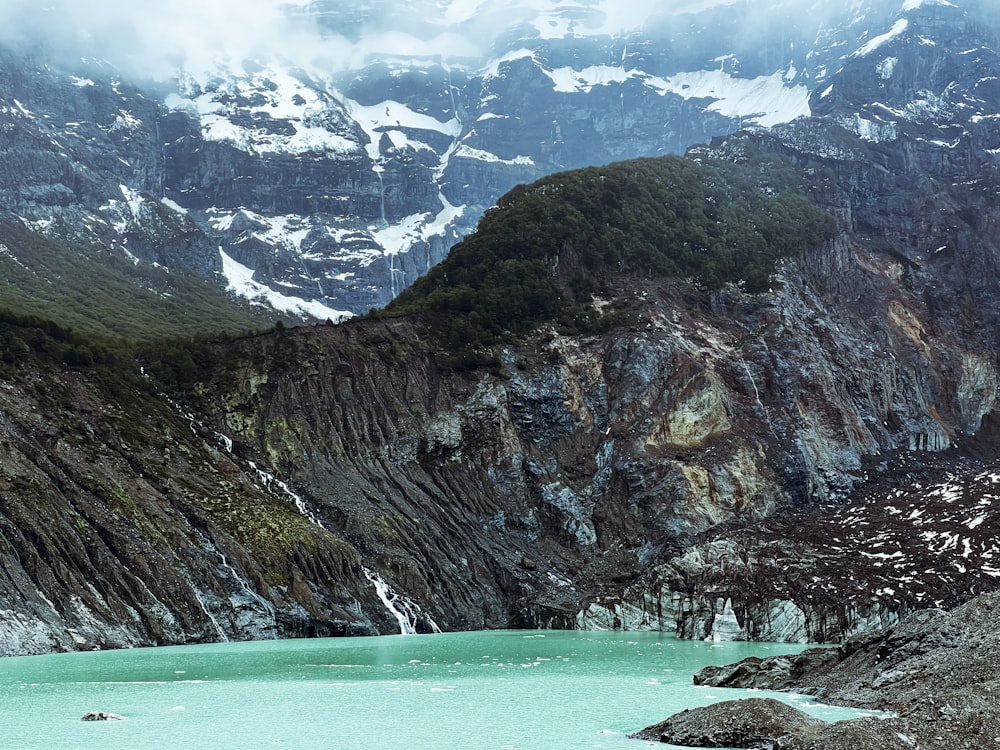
{"points": [[935, 671], [632, 468], [120, 526]]}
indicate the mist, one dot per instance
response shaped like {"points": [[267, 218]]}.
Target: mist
{"points": [[153, 41]]}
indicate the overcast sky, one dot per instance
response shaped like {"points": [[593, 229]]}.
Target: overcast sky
{"points": [[154, 38], [151, 37]]}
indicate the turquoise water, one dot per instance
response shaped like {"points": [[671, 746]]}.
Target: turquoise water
{"points": [[509, 690]]}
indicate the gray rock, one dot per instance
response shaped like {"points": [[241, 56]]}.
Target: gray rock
{"points": [[101, 716], [772, 673], [935, 672], [749, 723]]}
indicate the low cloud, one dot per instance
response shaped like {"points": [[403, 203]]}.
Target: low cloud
{"points": [[154, 40]]}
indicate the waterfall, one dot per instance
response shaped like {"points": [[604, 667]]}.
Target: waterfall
{"points": [[308, 274], [397, 276], [218, 628], [407, 613], [381, 192], [250, 593], [767, 415], [451, 93], [272, 483]]}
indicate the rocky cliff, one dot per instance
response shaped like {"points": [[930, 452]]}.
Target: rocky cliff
{"points": [[579, 469], [804, 460], [125, 523], [934, 675]]}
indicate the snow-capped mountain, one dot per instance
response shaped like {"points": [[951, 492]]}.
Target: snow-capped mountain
{"points": [[807, 461], [323, 180]]}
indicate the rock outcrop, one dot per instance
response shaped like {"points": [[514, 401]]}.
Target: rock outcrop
{"points": [[935, 672], [768, 724], [123, 523], [101, 716], [754, 722]]}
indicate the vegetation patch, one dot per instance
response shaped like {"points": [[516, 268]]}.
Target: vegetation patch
{"points": [[93, 289], [550, 251]]}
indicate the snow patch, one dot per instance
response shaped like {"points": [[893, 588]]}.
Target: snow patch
{"points": [[241, 283], [390, 115], [269, 112], [400, 237], [873, 44], [474, 153], [914, 4], [568, 80], [173, 206], [766, 100], [869, 130], [887, 67]]}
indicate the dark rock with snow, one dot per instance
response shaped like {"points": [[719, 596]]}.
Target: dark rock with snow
{"points": [[935, 673], [101, 716], [749, 723], [337, 189]]}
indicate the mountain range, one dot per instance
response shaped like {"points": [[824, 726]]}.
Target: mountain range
{"points": [[321, 187], [748, 392]]}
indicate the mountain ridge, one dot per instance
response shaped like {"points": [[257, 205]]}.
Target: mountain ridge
{"points": [[609, 478], [338, 189]]}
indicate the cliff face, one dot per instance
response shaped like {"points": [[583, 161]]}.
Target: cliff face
{"points": [[590, 463], [732, 465], [124, 523], [559, 489], [726, 464]]}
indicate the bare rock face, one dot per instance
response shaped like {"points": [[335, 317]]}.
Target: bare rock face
{"points": [[122, 526], [935, 672], [772, 673]]}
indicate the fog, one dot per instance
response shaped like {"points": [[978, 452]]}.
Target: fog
{"points": [[153, 40]]}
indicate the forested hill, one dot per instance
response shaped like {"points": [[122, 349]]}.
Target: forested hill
{"points": [[552, 249]]}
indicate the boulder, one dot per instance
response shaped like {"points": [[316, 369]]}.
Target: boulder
{"points": [[772, 673], [749, 723], [101, 716]]}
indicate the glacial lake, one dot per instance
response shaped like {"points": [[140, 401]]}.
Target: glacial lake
{"points": [[506, 690]]}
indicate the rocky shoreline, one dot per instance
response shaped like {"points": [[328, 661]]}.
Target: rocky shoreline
{"points": [[935, 674]]}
